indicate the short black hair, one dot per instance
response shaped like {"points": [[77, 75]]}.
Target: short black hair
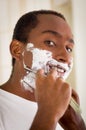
{"points": [[27, 22]]}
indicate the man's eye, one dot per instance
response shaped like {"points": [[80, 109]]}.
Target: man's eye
{"points": [[69, 49], [50, 43]]}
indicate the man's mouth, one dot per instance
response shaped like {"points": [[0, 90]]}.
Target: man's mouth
{"points": [[60, 70]]}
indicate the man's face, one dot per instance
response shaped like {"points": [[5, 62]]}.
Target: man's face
{"points": [[54, 35]]}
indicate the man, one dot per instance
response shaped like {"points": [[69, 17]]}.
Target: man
{"points": [[42, 59]]}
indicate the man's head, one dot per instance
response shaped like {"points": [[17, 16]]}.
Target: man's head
{"points": [[45, 30]]}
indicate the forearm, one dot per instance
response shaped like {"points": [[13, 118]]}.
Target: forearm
{"points": [[77, 125], [43, 121], [73, 124]]}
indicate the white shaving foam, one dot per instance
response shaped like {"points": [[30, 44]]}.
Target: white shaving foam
{"points": [[41, 60]]}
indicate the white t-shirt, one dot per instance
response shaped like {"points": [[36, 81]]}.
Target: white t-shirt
{"points": [[16, 113]]}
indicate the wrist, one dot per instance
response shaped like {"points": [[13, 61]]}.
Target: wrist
{"points": [[48, 116], [44, 120]]}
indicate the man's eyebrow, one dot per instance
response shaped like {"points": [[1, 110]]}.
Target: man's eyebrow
{"points": [[71, 41], [52, 32], [57, 34]]}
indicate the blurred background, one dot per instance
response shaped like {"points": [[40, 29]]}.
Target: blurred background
{"points": [[73, 10]]}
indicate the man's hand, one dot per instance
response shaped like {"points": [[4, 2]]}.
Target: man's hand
{"points": [[53, 96], [52, 93]]}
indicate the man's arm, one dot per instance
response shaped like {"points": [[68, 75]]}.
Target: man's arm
{"points": [[72, 120], [43, 121]]}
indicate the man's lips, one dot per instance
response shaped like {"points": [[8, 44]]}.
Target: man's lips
{"points": [[59, 68]]}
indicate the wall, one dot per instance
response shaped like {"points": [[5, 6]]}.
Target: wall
{"points": [[79, 24]]}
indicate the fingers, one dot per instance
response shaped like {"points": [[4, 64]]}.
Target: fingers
{"points": [[53, 90], [52, 74], [39, 77], [40, 74], [52, 80], [51, 77]]}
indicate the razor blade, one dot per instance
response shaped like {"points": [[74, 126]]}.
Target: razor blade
{"points": [[75, 106]]}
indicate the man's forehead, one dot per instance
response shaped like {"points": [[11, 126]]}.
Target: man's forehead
{"points": [[51, 21], [51, 24]]}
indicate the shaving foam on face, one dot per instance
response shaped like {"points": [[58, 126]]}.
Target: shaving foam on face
{"points": [[42, 59]]}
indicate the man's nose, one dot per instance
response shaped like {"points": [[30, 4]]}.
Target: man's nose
{"points": [[62, 55]]}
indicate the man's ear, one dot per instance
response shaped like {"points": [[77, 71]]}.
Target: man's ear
{"points": [[16, 49]]}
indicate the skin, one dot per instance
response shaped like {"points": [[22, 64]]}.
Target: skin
{"points": [[53, 97]]}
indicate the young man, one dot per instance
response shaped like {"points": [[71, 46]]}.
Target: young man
{"points": [[36, 96]]}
